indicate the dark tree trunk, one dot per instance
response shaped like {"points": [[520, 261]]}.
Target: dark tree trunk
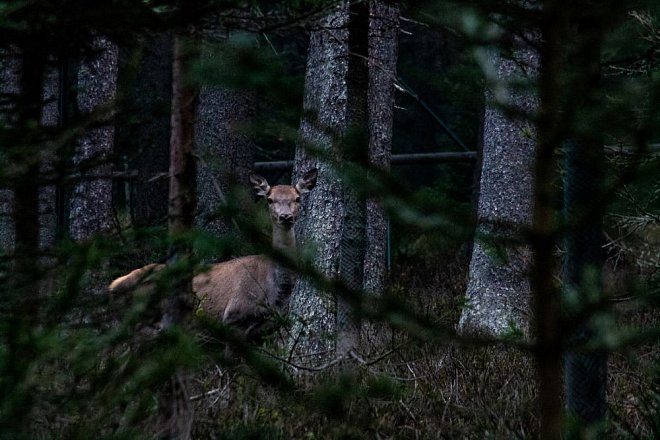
{"points": [[183, 173], [545, 294], [22, 296], [498, 292], [355, 152], [383, 54], [145, 129], [50, 119], [10, 77], [91, 201], [226, 154], [26, 190], [175, 409], [323, 123], [585, 373]]}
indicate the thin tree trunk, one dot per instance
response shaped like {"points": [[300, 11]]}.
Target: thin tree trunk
{"points": [[10, 76], [383, 54], [322, 126], [355, 153], [545, 294], [175, 409], [50, 119], [22, 297], [183, 172], [585, 373]]}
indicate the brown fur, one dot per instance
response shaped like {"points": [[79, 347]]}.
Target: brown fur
{"points": [[234, 292], [245, 291]]}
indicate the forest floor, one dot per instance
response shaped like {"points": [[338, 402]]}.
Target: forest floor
{"points": [[423, 390]]}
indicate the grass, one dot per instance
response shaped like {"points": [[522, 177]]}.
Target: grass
{"points": [[423, 390]]}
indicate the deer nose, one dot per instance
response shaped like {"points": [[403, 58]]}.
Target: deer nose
{"points": [[286, 218]]}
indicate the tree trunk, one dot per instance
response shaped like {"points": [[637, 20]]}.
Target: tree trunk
{"points": [[545, 294], [585, 373], [175, 409], [22, 296], [226, 154], [50, 118], [10, 74], [498, 292], [10, 77], [91, 201], [383, 54], [144, 130], [323, 123], [355, 152], [183, 173]]}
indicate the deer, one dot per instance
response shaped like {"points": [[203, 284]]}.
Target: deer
{"points": [[245, 292]]}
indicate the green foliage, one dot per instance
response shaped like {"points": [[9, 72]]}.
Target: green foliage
{"points": [[75, 363]]}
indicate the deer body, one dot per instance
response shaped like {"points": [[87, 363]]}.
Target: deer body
{"points": [[245, 292]]}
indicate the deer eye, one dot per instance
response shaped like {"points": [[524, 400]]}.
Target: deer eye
{"points": [[269, 200], [297, 199]]}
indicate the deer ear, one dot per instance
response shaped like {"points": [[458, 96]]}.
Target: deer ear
{"points": [[259, 184], [307, 182]]}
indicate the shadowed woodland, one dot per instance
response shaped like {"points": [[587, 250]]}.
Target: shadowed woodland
{"points": [[329, 219]]}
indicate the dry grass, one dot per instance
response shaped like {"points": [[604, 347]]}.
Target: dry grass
{"points": [[421, 390]]}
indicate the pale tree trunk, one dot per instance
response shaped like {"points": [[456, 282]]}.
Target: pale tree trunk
{"points": [[383, 54], [498, 292], [226, 154], [322, 125], [9, 84], [91, 201]]}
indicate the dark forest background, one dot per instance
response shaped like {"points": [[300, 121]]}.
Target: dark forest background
{"points": [[509, 290]]}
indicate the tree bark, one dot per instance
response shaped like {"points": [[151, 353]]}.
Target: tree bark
{"points": [[50, 118], [323, 123], [10, 74], [227, 155], [22, 296], [91, 201], [175, 409], [498, 292], [148, 139], [183, 174], [545, 295], [585, 373], [383, 54], [355, 152]]}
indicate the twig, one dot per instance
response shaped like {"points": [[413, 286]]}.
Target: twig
{"points": [[377, 359], [322, 367]]}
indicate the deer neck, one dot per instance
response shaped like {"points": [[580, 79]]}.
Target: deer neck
{"points": [[284, 240]]}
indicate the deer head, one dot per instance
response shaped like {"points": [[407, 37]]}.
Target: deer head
{"points": [[284, 200]]}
